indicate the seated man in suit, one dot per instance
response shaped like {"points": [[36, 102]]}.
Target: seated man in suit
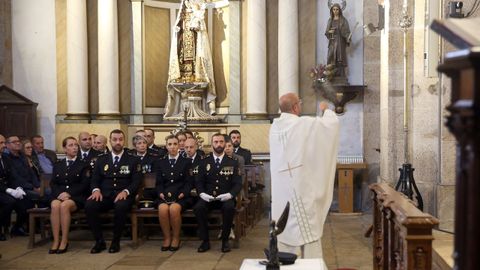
{"points": [[236, 141], [23, 184], [87, 153], [218, 182], [149, 134], [43, 158], [7, 202], [115, 181]]}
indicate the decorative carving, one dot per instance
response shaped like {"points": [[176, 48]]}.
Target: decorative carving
{"points": [[419, 259], [398, 224]]}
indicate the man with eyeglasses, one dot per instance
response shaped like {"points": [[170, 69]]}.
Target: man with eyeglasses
{"points": [[303, 153], [24, 185]]}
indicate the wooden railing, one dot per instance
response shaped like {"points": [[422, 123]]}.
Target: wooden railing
{"points": [[402, 234]]}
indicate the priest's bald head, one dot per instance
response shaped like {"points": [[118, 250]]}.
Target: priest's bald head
{"points": [[290, 103]]}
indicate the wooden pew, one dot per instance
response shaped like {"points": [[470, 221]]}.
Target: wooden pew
{"points": [[402, 233], [255, 178]]}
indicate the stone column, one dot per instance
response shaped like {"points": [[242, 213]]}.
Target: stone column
{"points": [[256, 59], [77, 60], [288, 60], [108, 85], [137, 65]]}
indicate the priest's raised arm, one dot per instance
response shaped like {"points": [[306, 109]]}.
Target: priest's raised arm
{"points": [[303, 153]]}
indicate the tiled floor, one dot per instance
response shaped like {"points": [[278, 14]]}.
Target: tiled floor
{"points": [[343, 244]]}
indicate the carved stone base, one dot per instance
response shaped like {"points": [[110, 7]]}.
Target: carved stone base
{"points": [[192, 103], [77, 116]]}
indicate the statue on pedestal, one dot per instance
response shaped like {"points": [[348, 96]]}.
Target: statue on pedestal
{"points": [[339, 37], [191, 85]]}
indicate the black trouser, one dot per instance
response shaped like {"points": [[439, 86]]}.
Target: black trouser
{"points": [[7, 204], [120, 212], [201, 212]]}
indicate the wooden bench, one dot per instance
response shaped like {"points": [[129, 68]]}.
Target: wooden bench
{"points": [[137, 215], [255, 180], [43, 215]]}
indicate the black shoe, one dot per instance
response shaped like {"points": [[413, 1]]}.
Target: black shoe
{"points": [[98, 247], [2, 237], [165, 248], [61, 251], [18, 231], [225, 246], [172, 248], [114, 247], [52, 251], [204, 246]]}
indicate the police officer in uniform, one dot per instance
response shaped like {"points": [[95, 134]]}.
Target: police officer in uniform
{"points": [[218, 182], [147, 157], [7, 202], [173, 187], [192, 153], [115, 182], [70, 182]]}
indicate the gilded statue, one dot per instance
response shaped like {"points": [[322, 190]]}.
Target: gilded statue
{"points": [[190, 62]]}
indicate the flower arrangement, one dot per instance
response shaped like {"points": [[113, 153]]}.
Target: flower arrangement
{"points": [[322, 73]]}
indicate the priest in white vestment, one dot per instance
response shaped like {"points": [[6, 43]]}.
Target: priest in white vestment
{"points": [[303, 156]]}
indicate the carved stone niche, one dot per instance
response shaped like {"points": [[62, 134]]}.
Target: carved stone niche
{"points": [[338, 94]]}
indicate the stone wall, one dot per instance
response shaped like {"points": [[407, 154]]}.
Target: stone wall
{"points": [[6, 43]]}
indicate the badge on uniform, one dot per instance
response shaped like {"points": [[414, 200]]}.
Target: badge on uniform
{"points": [[208, 167], [227, 170], [124, 169], [195, 170], [106, 167], [147, 168]]}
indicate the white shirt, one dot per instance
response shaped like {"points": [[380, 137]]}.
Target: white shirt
{"points": [[219, 157]]}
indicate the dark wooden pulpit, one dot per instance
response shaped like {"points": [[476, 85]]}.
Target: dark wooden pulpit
{"points": [[18, 114], [463, 67]]}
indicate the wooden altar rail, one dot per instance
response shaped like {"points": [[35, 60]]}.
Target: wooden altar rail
{"points": [[402, 233]]}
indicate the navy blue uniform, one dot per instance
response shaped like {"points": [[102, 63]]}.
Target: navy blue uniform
{"points": [[173, 179], [215, 180], [73, 179], [112, 179]]}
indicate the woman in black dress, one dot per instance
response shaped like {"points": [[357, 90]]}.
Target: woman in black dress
{"points": [[173, 185], [70, 181]]}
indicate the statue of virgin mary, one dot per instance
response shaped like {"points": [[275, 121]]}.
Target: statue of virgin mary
{"points": [[190, 57]]}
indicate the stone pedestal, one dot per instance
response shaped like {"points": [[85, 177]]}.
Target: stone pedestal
{"points": [[191, 102]]}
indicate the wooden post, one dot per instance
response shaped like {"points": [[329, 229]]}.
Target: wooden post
{"points": [[345, 190], [464, 122]]}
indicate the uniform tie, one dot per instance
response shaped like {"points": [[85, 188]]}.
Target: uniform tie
{"points": [[217, 162], [115, 163], [84, 156], [69, 163], [172, 162]]}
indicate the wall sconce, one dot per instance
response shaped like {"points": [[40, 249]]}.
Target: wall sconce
{"points": [[368, 29]]}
